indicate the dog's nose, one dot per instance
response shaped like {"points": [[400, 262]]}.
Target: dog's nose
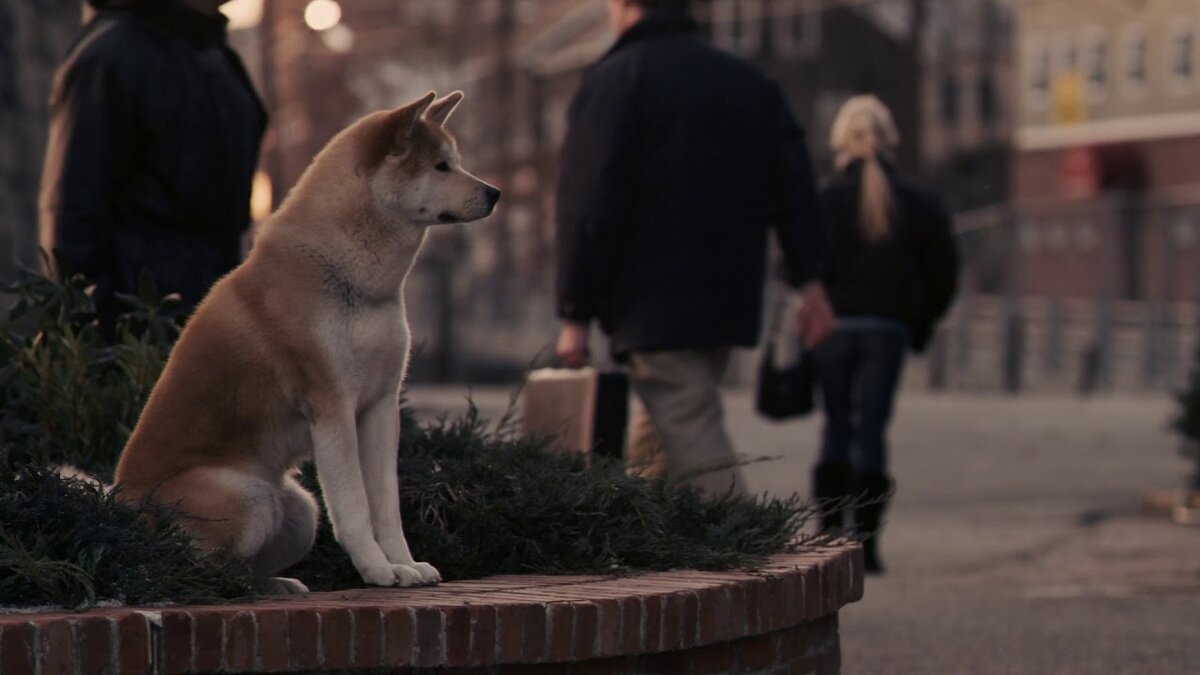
{"points": [[493, 195]]}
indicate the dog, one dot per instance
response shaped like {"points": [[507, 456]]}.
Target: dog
{"points": [[300, 353]]}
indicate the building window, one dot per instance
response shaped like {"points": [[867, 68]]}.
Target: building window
{"points": [[1183, 58], [796, 27], [1066, 55], [738, 25], [988, 111], [1135, 69], [1096, 63], [1037, 75], [949, 100]]}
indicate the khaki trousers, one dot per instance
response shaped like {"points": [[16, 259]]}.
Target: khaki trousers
{"points": [[679, 428]]}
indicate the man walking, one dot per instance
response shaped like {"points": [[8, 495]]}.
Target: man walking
{"points": [[154, 138], [678, 161]]}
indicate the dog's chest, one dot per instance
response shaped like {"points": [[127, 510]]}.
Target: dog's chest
{"points": [[373, 351]]}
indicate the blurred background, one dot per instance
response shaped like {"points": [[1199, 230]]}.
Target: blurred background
{"points": [[1062, 134]]}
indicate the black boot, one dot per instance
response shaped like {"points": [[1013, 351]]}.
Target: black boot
{"points": [[831, 489], [874, 490]]}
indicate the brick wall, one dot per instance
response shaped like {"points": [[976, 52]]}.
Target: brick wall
{"points": [[780, 619]]}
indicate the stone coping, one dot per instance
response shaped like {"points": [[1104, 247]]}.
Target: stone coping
{"points": [[484, 623]]}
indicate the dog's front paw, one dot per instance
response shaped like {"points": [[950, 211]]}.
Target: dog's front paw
{"points": [[417, 574], [429, 573]]}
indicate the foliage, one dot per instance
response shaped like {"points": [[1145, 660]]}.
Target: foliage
{"points": [[71, 543], [67, 394], [478, 500]]}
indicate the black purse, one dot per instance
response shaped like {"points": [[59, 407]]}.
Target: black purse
{"points": [[788, 391]]}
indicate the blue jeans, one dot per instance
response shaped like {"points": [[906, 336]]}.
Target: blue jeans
{"points": [[859, 370]]}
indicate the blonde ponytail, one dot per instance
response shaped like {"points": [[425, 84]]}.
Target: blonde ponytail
{"points": [[864, 130]]}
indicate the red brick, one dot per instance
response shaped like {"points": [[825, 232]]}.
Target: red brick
{"points": [[431, 647], [713, 659], [653, 616], [304, 639], [560, 620], [689, 620], [532, 669], [770, 603], [458, 636], [666, 663], [535, 626], [17, 648], [672, 616], [176, 642], [805, 666], [400, 637], [95, 646], [209, 639], [58, 648], [587, 628], [814, 605], [511, 622], [133, 640], [608, 641], [829, 662], [856, 574], [758, 652], [708, 616], [273, 640], [751, 604], [631, 625], [736, 597], [368, 637], [241, 642], [621, 665], [483, 635], [337, 635]]}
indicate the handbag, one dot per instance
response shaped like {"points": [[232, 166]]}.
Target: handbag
{"points": [[785, 391], [579, 410]]}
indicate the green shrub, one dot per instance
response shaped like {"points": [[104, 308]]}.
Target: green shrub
{"points": [[478, 500], [67, 395], [70, 543]]}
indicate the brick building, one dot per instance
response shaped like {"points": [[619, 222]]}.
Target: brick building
{"points": [[1106, 181]]}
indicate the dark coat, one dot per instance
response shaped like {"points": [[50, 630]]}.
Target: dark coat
{"points": [[910, 276], [678, 161], [154, 139]]}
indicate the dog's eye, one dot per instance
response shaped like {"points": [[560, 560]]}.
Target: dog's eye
{"points": [[442, 166]]}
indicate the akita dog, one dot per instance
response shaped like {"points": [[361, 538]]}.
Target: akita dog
{"points": [[300, 354]]}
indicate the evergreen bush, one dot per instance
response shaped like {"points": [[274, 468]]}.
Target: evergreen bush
{"points": [[478, 499]]}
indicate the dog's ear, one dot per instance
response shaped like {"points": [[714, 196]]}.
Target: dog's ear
{"points": [[440, 110], [401, 121]]}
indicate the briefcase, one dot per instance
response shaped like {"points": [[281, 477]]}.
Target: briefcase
{"points": [[580, 410]]}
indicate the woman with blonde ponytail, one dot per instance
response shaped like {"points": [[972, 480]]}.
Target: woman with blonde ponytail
{"points": [[891, 276]]}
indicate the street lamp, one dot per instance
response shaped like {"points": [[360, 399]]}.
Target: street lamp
{"points": [[322, 15]]}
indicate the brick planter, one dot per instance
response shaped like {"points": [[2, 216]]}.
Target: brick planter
{"points": [[780, 620]]}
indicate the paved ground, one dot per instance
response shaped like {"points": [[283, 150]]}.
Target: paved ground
{"points": [[1015, 544]]}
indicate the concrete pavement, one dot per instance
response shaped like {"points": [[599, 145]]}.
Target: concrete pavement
{"points": [[1015, 543]]}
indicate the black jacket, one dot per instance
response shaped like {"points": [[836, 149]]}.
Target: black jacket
{"points": [[678, 161], [910, 276], [154, 138]]}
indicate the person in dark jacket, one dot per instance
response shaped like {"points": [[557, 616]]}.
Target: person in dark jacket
{"points": [[154, 139], [678, 162], [892, 273]]}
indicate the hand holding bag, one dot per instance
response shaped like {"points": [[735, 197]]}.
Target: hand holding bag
{"points": [[785, 390]]}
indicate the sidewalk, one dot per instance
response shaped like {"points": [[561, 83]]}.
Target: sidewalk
{"points": [[1017, 542]]}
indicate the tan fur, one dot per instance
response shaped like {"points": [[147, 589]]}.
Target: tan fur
{"points": [[299, 354]]}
